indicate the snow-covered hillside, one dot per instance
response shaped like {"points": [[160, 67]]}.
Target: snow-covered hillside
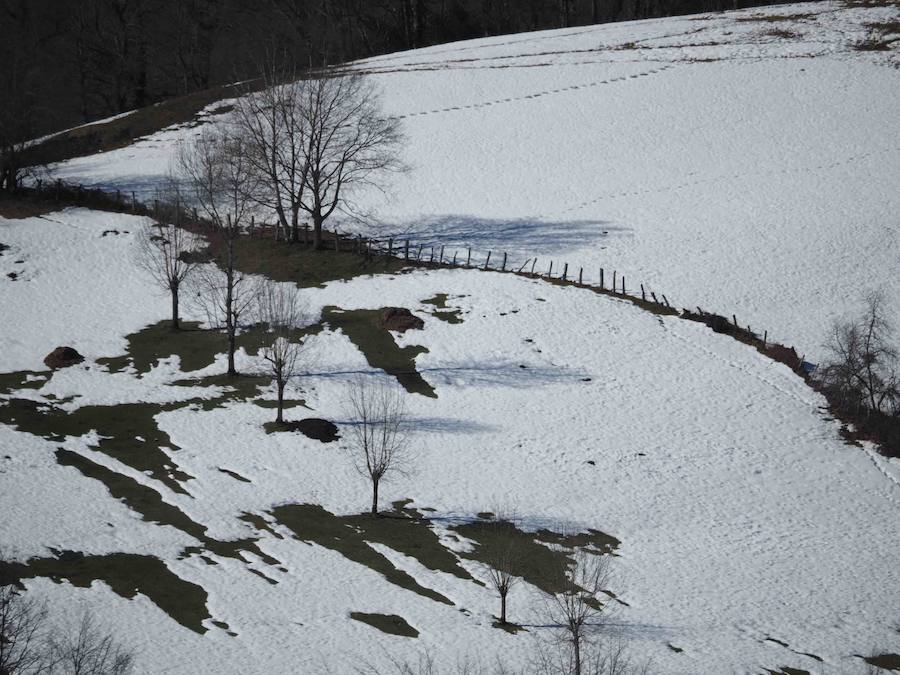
{"points": [[745, 162], [751, 535]]}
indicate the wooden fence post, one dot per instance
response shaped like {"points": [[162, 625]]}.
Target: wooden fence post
{"points": [[468, 257], [419, 253], [441, 259], [533, 263], [454, 257], [734, 318], [503, 266], [601, 279], [565, 271], [614, 282], [653, 295], [765, 339], [623, 284], [643, 294], [550, 272], [487, 260], [580, 271], [665, 300]]}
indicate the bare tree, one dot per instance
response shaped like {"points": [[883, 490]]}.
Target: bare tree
{"points": [[272, 124], [598, 658], [576, 609], [378, 435], [22, 638], [501, 555], [29, 646], [219, 177], [279, 308], [350, 144], [862, 368], [90, 652], [163, 250]]}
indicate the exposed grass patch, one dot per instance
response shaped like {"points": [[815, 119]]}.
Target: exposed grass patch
{"points": [[782, 34], [387, 623], [348, 536], [442, 312], [874, 42], [536, 563], [128, 430], [235, 475], [239, 387], [127, 574], [288, 403], [196, 348], [885, 661], [23, 379], [775, 18], [377, 344], [305, 266], [149, 504], [123, 131], [20, 207]]}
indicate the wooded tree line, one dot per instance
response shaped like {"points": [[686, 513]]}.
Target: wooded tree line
{"points": [[93, 58]]}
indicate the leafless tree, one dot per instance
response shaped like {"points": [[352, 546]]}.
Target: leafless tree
{"points": [[576, 609], [378, 437], [350, 144], [272, 124], [30, 646], [219, 177], [90, 652], [22, 637], [598, 658], [280, 309], [862, 367], [163, 250], [501, 555]]}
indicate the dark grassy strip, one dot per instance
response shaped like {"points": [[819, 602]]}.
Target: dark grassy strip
{"points": [[150, 505], [127, 574], [387, 623], [363, 328], [312, 523]]}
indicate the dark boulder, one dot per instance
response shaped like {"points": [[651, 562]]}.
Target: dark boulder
{"points": [[317, 429], [400, 319], [62, 357]]}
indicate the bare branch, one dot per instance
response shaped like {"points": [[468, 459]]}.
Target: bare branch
{"points": [[378, 431]]}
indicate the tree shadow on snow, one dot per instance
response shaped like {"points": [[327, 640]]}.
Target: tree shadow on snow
{"points": [[521, 237]]}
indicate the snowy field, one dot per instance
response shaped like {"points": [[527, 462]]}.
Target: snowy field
{"points": [[745, 162], [751, 535]]}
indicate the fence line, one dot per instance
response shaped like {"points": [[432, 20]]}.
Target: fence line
{"points": [[412, 252]]}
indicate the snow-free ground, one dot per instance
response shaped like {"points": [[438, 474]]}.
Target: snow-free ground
{"points": [[751, 535], [746, 162]]}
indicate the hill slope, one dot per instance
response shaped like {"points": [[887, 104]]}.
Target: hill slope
{"points": [[745, 162]]}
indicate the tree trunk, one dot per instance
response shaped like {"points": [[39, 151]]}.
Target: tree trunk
{"points": [[175, 324], [503, 608], [374, 496], [229, 299], [280, 418], [317, 231], [576, 643]]}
